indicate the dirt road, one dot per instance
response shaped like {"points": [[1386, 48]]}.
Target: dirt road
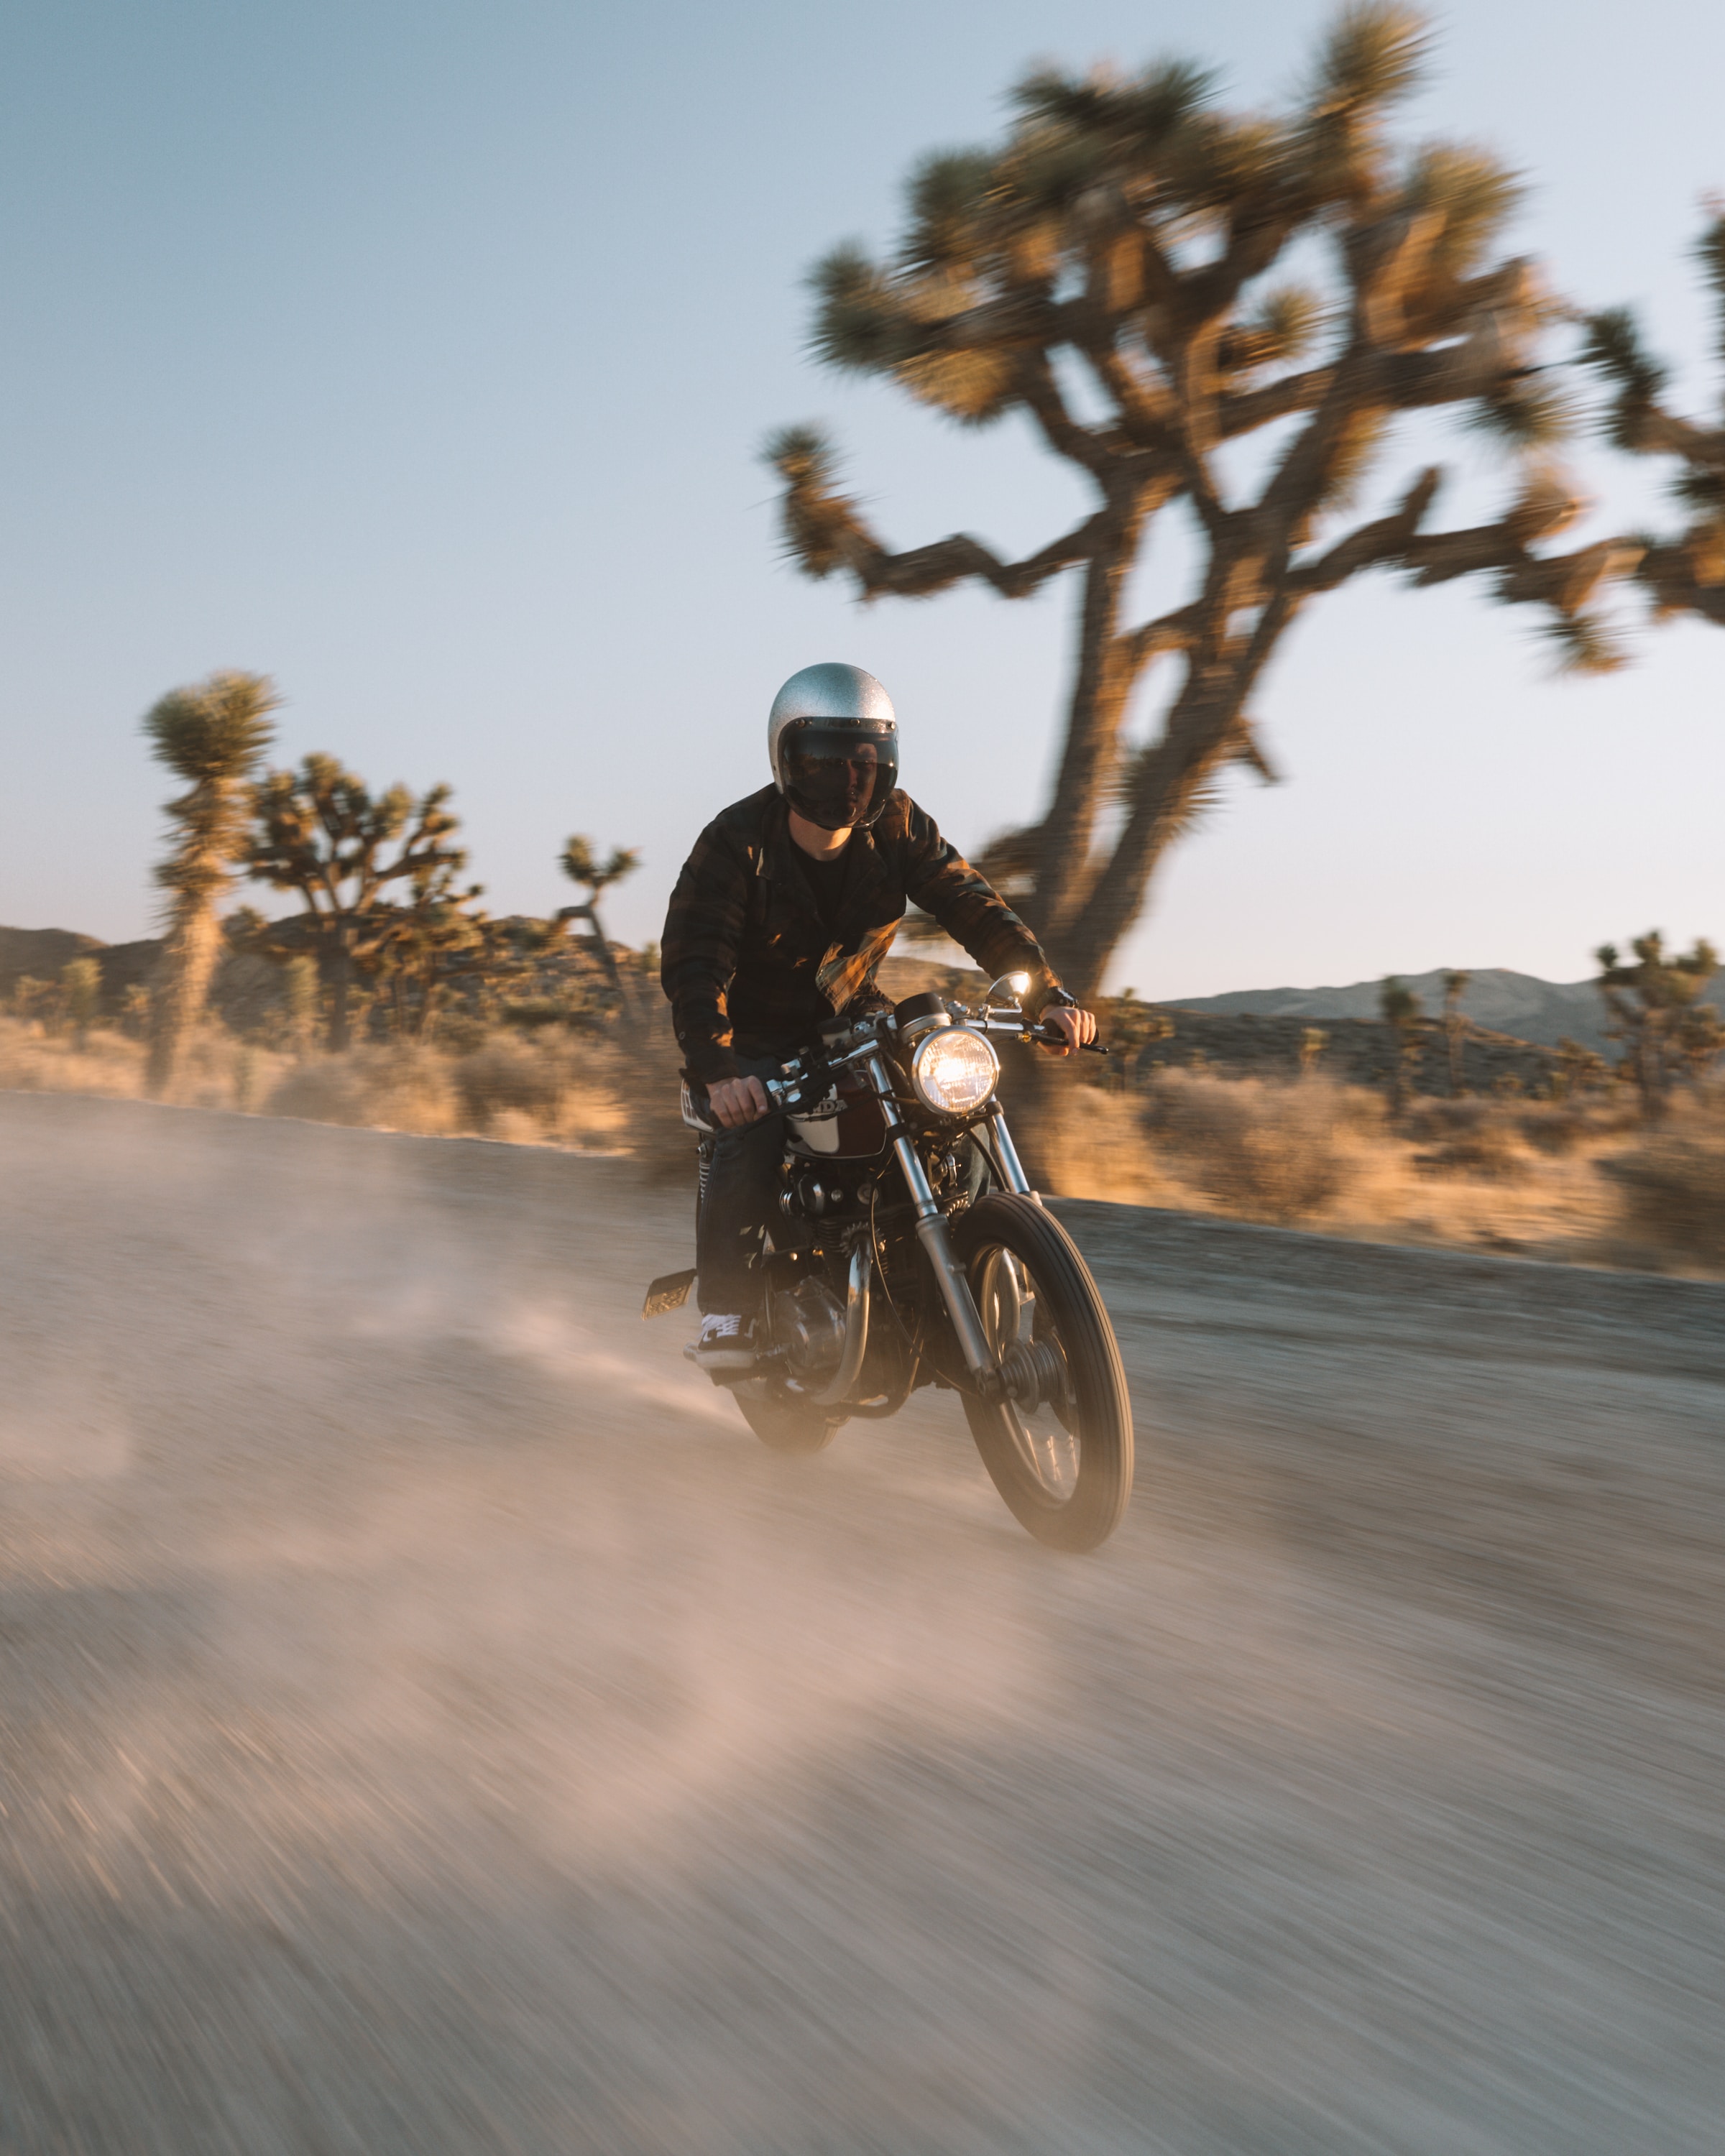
{"points": [[429, 1722]]}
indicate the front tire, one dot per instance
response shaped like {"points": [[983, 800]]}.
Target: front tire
{"points": [[784, 1421], [1059, 1448]]}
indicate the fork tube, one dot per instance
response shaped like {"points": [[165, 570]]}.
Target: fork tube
{"points": [[1010, 1165], [932, 1233]]}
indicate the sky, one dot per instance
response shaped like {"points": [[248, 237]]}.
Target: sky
{"points": [[419, 356]]}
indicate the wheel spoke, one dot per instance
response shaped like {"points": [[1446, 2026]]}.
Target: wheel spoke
{"points": [[1016, 1321]]}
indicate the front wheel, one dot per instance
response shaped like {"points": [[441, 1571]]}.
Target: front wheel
{"points": [[1058, 1447]]}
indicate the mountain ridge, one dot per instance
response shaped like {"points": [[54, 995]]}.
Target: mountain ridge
{"points": [[1522, 1004]]}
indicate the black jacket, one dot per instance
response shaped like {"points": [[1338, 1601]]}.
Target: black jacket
{"points": [[752, 969]]}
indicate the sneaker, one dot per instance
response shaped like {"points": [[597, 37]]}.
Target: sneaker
{"points": [[725, 1346]]}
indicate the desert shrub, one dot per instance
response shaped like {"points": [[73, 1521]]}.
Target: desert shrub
{"points": [[1105, 1152], [1565, 1126], [545, 1087], [1467, 1137], [1672, 1187], [215, 1069], [1268, 1150], [509, 1076], [649, 1082], [396, 1088], [31, 1062]]}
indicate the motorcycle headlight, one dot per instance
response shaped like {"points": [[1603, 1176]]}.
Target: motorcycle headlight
{"points": [[954, 1072]]}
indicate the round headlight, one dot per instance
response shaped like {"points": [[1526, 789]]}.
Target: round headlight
{"points": [[954, 1072]]}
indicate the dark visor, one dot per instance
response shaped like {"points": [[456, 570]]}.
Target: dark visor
{"points": [[836, 773]]}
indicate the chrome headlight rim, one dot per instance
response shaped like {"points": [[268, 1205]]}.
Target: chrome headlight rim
{"points": [[941, 1045]]}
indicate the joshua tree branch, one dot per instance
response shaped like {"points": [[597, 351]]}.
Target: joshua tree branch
{"points": [[1671, 575], [1244, 411], [1170, 631], [1061, 431], [1386, 538]]}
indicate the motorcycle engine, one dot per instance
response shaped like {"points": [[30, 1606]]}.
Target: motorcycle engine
{"points": [[808, 1324]]}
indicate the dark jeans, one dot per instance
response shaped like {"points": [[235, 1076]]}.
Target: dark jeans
{"points": [[741, 1190]]}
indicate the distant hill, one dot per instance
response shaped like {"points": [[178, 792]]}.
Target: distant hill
{"points": [[41, 951], [244, 987], [1517, 1003]]}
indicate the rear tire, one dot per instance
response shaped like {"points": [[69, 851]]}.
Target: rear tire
{"points": [[783, 1421], [1063, 1461]]}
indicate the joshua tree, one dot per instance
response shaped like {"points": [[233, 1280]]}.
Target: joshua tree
{"points": [[1654, 1008], [1455, 1027], [1106, 275], [321, 833], [300, 983], [1683, 573], [435, 933], [212, 736], [1400, 1008], [81, 982], [583, 866]]}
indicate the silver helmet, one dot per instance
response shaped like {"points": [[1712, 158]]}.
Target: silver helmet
{"points": [[832, 739]]}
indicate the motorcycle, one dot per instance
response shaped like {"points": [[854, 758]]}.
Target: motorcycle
{"points": [[910, 1251]]}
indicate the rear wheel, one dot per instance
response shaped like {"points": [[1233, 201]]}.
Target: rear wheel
{"points": [[1058, 1447], [786, 1421]]}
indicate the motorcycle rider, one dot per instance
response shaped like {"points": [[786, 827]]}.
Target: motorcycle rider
{"points": [[785, 908]]}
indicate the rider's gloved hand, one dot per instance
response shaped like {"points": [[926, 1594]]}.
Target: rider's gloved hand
{"points": [[1053, 1007], [737, 1102], [1076, 1028]]}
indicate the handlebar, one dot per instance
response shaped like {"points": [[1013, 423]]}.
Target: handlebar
{"points": [[1046, 1035], [790, 1094]]}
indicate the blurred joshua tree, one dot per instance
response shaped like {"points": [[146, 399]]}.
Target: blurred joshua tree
{"points": [[1399, 1008], [212, 736], [1654, 1008], [319, 832], [1108, 275], [583, 866], [435, 933], [1455, 1027], [81, 981], [1684, 571], [33, 998], [300, 982]]}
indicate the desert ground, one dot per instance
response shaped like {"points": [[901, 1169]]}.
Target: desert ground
{"points": [[430, 1722]]}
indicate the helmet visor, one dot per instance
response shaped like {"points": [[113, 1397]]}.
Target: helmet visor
{"points": [[839, 772]]}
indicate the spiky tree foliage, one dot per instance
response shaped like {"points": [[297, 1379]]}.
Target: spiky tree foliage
{"points": [[580, 862], [1683, 571], [357, 861], [1116, 273], [1653, 1006], [212, 736]]}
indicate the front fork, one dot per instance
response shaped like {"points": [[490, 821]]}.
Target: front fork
{"points": [[931, 1230]]}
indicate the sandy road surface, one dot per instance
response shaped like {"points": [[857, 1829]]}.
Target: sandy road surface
{"points": [[429, 1722]]}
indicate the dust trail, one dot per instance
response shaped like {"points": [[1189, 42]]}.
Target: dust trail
{"points": [[431, 1724]]}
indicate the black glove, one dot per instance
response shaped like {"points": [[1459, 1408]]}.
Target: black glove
{"points": [[1046, 995]]}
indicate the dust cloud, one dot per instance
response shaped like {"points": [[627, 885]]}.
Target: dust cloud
{"points": [[431, 1723]]}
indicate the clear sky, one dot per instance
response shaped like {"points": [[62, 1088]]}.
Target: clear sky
{"points": [[418, 355]]}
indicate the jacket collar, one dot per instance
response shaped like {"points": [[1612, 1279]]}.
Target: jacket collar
{"points": [[869, 873]]}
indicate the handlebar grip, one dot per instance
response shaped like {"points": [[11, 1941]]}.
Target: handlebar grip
{"points": [[1053, 1040]]}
